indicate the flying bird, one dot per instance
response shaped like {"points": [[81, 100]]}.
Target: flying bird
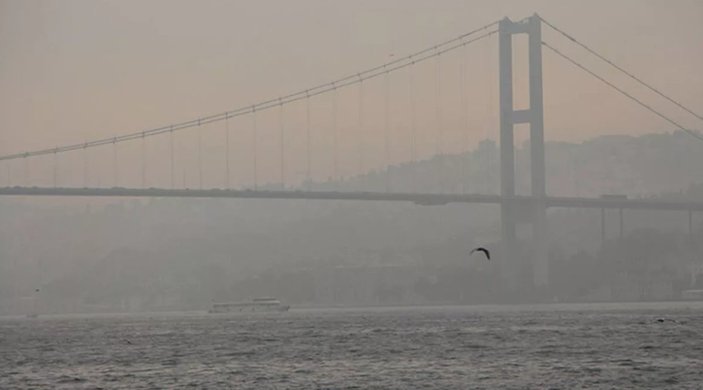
{"points": [[484, 250]]}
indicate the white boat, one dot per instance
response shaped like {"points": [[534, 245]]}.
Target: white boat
{"points": [[255, 305]]}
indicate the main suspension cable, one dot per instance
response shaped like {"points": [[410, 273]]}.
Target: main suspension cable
{"points": [[400, 63], [608, 83], [629, 74]]}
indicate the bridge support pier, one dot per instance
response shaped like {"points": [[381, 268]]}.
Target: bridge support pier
{"points": [[509, 117]]}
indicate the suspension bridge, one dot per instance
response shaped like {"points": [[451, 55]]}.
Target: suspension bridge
{"points": [[265, 140]]}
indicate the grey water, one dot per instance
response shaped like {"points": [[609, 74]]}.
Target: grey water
{"points": [[474, 347]]}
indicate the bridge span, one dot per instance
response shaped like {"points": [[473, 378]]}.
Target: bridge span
{"points": [[428, 199], [514, 208]]}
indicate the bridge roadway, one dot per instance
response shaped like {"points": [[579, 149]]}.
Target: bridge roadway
{"points": [[417, 198]]}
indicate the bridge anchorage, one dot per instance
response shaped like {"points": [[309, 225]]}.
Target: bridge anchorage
{"points": [[531, 209]]}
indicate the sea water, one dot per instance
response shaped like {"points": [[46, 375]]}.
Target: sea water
{"points": [[474, 347]]}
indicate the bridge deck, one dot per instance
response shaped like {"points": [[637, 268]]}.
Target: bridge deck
{"points": [[418, 198]]}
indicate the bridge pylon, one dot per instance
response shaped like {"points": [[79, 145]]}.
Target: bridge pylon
{"points": [[509, 117]]}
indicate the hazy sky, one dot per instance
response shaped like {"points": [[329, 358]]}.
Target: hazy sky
{"points": [[75, 70]]}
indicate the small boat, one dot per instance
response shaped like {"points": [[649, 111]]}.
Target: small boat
{"points": [[255, 305]]}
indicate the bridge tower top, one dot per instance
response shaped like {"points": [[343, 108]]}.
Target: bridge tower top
{"points": [[534, 114]]}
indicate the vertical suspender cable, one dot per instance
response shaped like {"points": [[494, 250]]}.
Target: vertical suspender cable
{"points": [[115, 177], [281, 145], [227, 176], [413, 125], [307, 148], [438, 119], [143, 161], [200, 156], [335, 129], [56, 164], [438, 104], [85, 167], [463, 155], [255, 135], [26, 172], [360, 132], [386, 130], [173, 180]]}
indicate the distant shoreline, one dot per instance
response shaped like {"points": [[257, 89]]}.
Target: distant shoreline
{"points": [[297, 309]]}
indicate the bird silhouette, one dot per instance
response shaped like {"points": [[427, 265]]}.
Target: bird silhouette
{"points": [[484, 250]]}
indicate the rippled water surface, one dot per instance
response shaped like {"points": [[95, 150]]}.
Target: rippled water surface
{"points": [[552, 346]]}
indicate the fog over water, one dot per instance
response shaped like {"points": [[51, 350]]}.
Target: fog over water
{"points": [[321, 172]]}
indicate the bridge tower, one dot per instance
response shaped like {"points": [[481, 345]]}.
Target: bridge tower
{"points": [[509, 117]]}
